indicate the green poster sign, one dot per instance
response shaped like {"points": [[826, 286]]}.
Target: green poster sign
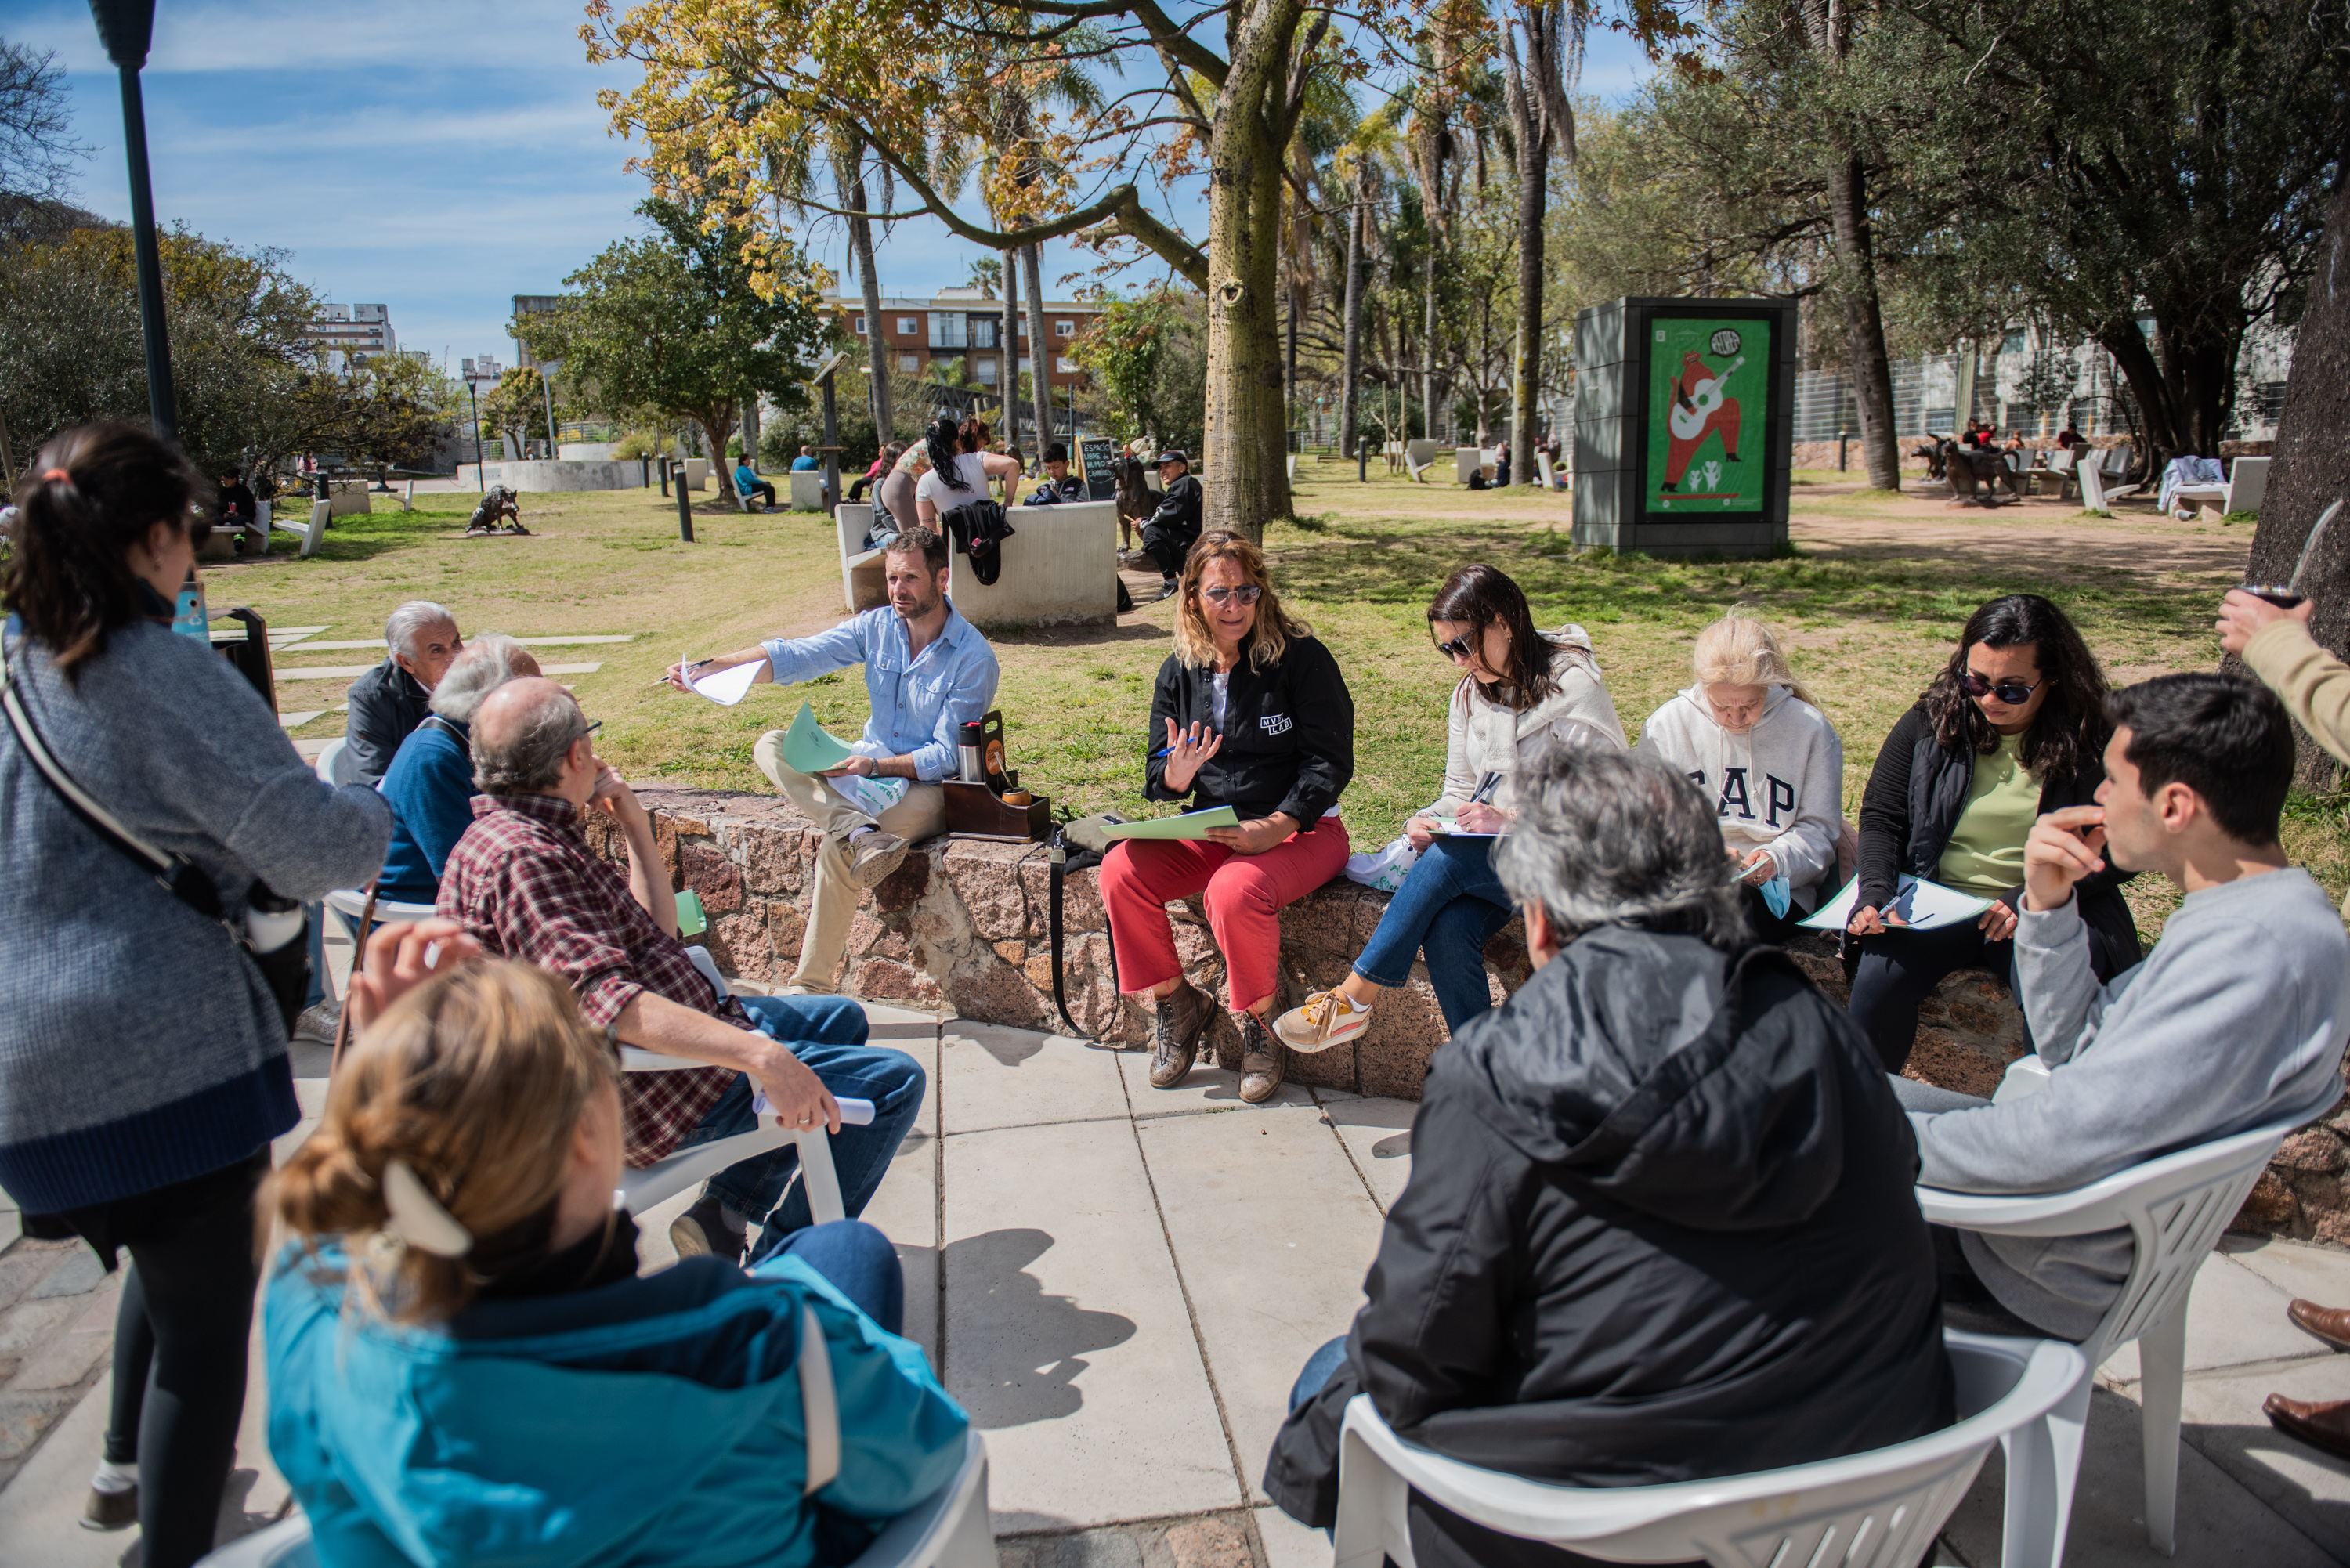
{"points": [[1708, 393]]}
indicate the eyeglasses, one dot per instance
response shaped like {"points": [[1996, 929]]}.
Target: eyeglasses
{"points": [[1243, 596], [2013, 693], [1461, 650], [593, 726]]}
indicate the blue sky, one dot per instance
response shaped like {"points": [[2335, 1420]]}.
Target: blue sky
{"points": [[439, 156]]}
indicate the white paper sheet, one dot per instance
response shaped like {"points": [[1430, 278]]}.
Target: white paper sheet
{"points": [[728, 687], [1924, 905]]}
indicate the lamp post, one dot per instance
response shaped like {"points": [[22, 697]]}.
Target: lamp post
{"points": [[547, 370], [126, 28]]}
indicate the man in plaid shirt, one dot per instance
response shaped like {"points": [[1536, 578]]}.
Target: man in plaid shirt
{"points": [[525, 887]]}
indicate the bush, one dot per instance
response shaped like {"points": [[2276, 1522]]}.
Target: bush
{"points": [[644, 444]]}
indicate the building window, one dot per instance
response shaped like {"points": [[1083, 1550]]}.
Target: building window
{"points": [[908, 364], [980, 331], [1065, 329], [860, 327], [985, 370], [908, 326], [946, 331]]}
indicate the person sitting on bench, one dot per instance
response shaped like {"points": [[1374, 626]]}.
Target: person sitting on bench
{"points": [[457, 1333], [748, 483]]}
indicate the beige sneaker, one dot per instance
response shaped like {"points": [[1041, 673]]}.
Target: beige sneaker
{"points": [[871, 856], [1324, 1020], [1263, 1063]]}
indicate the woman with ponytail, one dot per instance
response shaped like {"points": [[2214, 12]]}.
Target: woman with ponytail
{"points": [[143, 1062], [959, 467], [460, 1350]]}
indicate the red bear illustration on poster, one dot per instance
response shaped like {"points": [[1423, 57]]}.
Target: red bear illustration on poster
{"points": [[1699, 409]]}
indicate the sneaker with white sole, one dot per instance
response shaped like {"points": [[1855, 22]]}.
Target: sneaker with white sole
{"points": [[871, 856], [316, 1025], [1323, 1022]]}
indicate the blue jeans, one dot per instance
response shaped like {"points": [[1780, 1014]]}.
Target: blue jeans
{"points": [[828, 1033], [1318, 1368], [314, 934], [860, 1262], [1450, 906]]}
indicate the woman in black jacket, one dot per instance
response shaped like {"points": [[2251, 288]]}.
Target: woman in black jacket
{"points": [[1660, 1226], [2013, 727], [1250, 712]]}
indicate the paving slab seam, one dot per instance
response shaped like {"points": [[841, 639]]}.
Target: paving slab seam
{"points": [[1351, 1163], [1191, 1307], [938, 1190], [1048, 1122], [2275, 1366]]}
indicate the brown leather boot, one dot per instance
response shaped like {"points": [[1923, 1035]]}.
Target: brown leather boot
{"points": [[1175, 1028], [1265, 1061], [2331, 1325], [2324, 1425]]}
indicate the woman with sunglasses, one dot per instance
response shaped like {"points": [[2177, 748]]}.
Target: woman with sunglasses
{"points": [[143, 1062], [2013, 727], [1250, 712], [1521, 691]]}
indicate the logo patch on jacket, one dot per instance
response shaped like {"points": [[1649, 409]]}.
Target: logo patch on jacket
{"points": [[1274, 723]]}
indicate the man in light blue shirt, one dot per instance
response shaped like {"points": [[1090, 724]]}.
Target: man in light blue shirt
{"points": [[927, 672], [806, 463]]}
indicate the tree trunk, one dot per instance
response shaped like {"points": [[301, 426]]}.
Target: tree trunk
{"points": [[1351, 372], [1525, 380], [877, 353], [2311, 468], [1031, 263], [1289, 379], [1427, 345], [1007, 361], [1864, 323], [1247, 479]]}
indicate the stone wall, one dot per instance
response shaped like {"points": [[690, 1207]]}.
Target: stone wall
{"points": [[964, 924]]}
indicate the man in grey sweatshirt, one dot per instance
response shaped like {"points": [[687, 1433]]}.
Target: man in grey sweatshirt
{"points": [[2232, 1022]]}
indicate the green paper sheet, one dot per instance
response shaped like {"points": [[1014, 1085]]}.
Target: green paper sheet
{"points": [[811, 748], [1191, 825]]}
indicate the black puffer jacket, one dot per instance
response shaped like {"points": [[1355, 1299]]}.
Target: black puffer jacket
{"points": [[1289, 734], [1917, 791], [1659, 1228]]}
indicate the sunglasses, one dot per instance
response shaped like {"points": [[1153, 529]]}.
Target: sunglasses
{"points": [[2013, 693], [1461, 650], [1243, 596]]}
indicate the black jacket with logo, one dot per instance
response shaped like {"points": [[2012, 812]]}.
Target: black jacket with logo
{"points": [[1660, 1228], [1289, 734]]}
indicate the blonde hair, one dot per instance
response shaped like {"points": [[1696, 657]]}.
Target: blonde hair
{"points": [[1269, 635], [1739, 651], [475, 1080]]}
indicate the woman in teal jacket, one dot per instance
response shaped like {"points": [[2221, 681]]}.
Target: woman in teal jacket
{"points": [[464, 1364]]}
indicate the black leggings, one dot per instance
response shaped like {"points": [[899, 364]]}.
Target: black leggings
{"points": [[1900, 969], [181, 1339]]}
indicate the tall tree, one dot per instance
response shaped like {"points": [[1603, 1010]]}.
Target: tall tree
{"points": [[1042, 382], [37, 149], [1542, 122], [1009, 360], [2310, 470]]}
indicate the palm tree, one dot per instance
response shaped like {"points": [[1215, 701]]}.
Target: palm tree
{"points": [[1363, 162]]}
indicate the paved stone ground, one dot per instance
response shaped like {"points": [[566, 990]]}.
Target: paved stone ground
{"points": [[1121, 1283]]}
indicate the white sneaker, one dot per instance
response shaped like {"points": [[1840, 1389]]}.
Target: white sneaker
{"points": [[316, 1024], [1323, 1022]]}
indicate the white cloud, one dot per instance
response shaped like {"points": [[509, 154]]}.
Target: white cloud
{"points": [[238, 35]]}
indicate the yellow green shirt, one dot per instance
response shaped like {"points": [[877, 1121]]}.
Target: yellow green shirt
{"points": [[1985, 855]]}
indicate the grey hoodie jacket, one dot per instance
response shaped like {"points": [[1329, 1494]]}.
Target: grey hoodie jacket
{"points": [[1779, 786]]}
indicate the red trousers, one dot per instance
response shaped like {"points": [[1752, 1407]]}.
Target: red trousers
{"points": [[1245, 895]]}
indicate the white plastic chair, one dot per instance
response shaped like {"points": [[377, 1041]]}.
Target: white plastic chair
{"points": [[657, 1183], [2175, 1209], [951, 1530], [1876, 1509], [2247, 483]]}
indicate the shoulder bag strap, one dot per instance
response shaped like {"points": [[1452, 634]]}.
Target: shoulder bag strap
{"points": [[174, 873], [820, 1405]]}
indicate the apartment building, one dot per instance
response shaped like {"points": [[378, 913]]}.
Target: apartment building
{"points": [[938, 337], [350, 334]]}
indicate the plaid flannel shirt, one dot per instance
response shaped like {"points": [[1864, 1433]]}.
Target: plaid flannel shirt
{"points": [[526, 886]]}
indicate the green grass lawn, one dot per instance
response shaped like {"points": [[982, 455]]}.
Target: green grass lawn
{"points": [[1869, 601]]}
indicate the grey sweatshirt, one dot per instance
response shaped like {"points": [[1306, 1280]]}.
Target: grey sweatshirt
{"points": [[139, 1044], [1779, 786], [2234, 1022]]}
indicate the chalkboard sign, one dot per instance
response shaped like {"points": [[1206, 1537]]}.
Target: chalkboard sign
{"points": [[1098, 456]]}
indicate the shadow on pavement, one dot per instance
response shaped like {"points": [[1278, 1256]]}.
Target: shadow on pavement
{"points": [[1017, 1352]]}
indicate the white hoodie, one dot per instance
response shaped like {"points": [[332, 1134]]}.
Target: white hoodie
{"points": [[1779, 786], [1484, 737]]}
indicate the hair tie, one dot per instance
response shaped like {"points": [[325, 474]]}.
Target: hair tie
{"points": [[417, 1218], [57, 474]]}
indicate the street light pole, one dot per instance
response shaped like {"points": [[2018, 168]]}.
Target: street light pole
{"points": [[126, 28], [479, 457]]}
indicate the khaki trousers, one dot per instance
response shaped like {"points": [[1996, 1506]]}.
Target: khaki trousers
{"points": [[923, 814]]}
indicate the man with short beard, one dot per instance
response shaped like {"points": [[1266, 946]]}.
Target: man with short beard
{"points": [[927, 672]]}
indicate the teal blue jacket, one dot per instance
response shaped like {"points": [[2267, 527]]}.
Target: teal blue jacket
{"points": [[656, 1422]]}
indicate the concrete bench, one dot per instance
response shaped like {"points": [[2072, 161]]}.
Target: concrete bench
{"points": [[1060, 568], [807, 489], [861, 572], [1419, 457]]}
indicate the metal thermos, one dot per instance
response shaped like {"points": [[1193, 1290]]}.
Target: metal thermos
{"points": [[974, 766]]}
